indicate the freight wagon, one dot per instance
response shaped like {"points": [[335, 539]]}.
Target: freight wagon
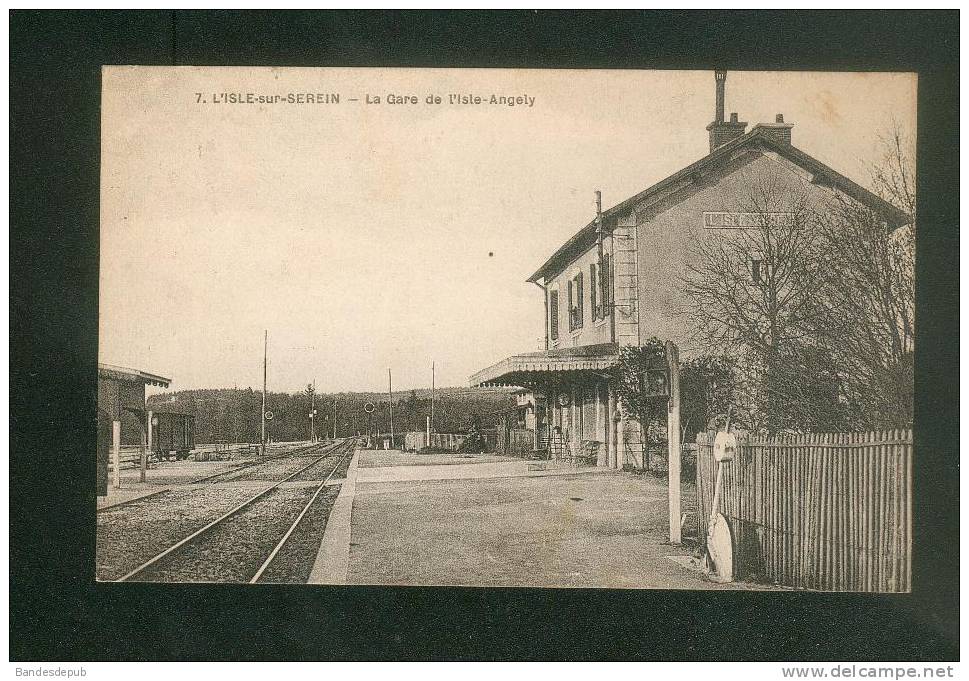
{"points": [[172, 434]]}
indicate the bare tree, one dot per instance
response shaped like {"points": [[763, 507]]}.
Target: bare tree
{"points": [[813, 297], [755, 292], [873, 294]]}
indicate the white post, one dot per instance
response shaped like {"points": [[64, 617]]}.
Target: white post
{"points": [[612, 428], [602, 422], [390, 392], [116, 452], [147, 448], [673, 440], [574, 436], [427, 442], [262, 417]]}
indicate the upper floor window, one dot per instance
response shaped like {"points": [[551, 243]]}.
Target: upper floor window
{"points": [[759, 268], [595, 300], [599, 288], [575, 302], [755, 270], [553, 314]]}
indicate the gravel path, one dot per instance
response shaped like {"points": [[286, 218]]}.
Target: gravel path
{"points": [[234, 550], [129, 535], [294, 562]]}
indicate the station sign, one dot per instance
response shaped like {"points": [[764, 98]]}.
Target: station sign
{"points": [[727, 220]]}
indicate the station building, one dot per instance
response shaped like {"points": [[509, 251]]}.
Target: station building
{"points": [[598, 299]]}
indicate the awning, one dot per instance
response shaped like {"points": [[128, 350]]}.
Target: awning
{"points": [[536, 368]]}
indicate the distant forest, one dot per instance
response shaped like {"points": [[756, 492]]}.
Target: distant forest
{"points": [[233, 414]]}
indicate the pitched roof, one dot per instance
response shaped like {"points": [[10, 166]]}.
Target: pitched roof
{"points": [[585, 237]]}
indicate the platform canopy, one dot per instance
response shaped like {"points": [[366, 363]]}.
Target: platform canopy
{"points": [[538, 368]]}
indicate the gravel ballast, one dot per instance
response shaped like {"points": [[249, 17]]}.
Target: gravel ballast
{"points": [[233, 551], [322, 469], [133, 533], [294, 562]]}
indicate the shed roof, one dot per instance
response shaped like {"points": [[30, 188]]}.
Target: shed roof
{"points": [[758, 136], [131, 375]]}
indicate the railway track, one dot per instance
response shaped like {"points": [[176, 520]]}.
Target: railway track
{"points": [[253, 469], [298, 452], [224, 475], [245, 542]]}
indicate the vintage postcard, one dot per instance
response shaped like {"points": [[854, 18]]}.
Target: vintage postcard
{"points": [[544, 328]]}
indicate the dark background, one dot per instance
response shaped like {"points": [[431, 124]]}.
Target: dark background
{"points": [[57, 612]]}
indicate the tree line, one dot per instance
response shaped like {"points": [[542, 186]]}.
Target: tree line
{"points": [[233, 415]]}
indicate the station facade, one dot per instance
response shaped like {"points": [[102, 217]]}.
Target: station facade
{"points": [[616, 282]]}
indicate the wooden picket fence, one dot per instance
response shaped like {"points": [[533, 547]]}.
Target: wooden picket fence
{"points": [[826, 511], [415, 441], [129, 456]]}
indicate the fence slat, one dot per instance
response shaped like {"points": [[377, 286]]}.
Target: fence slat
{"points": [[827, 511]]}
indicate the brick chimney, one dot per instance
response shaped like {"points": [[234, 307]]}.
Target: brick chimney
{"points": [[778, 130], [722, 131]]}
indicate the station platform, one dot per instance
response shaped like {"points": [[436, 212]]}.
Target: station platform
{"points": [[500, 523]]}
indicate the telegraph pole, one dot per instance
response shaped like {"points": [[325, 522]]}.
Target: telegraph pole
{"points": [[390, 390], [431, 429], [313, 413], [599, 229], [262, 417]]}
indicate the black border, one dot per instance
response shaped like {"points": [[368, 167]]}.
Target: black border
{"points": [[57, 612]]}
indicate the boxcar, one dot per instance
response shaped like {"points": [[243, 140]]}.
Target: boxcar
{"points": [[172, 435]]}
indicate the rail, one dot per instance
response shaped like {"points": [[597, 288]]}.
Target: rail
{"points": [[228, 514]]}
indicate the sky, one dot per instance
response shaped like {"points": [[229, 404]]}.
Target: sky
{"points": [[367, 236]]}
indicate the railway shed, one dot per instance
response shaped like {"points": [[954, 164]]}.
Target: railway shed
{"points": [[122, 417]]}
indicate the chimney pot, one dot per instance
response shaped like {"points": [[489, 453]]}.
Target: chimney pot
{"points": [[722, 131], [779, 118], [721, 78]]}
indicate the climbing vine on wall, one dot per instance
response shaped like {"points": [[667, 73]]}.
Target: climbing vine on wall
{"points": [[650, 412]]}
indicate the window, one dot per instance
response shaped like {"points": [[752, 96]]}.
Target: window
{"points": [[553, 314], [575, 302], [594, 285], [599, 288], [759, 269]]}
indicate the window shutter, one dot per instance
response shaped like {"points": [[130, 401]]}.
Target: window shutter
{"points": [[553, 311], [578, 293], [606, 288], [571, 306], [593, 285]]}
